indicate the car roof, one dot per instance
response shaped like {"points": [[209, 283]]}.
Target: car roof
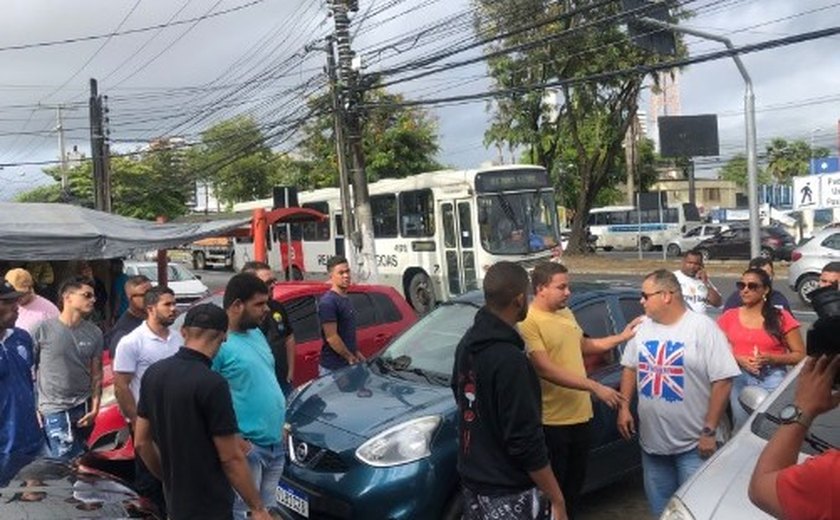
{"points": [[580, 291]]}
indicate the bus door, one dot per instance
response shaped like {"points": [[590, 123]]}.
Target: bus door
{"points": [[339, 233], [459, 265]]}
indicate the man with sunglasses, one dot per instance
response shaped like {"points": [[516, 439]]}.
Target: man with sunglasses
{"points": [[136, 288], [68, 361], [683, 368], [277, 328], [697, 290]]}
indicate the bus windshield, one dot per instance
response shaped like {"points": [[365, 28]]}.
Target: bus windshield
{"points": [[517, 223]]}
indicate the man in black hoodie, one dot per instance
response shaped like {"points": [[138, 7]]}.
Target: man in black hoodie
{"points": [[502, 455]]}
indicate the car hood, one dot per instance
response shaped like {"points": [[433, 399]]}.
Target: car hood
{"points": [[45, 488], [362, 403], [719, 488]]}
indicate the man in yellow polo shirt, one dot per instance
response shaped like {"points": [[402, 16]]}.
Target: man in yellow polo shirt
{"points": [[556, 345]]}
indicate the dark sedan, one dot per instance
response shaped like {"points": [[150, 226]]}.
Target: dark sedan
{"points": [[378, 440], [776, 244]]}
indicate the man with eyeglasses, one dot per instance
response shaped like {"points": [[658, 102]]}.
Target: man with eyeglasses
{"points": [[68, 354], [697, 290], [682, 366], [277, 329], [136, 288], [32, 309]]}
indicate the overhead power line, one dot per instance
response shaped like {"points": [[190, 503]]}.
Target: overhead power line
{"points": [[79, 39]]}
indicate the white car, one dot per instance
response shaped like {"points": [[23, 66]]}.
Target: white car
{"points": [[719, 488], [188, 287], [692, 237], [809, 258]]}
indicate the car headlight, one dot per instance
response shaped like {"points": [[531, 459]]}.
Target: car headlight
{"points": [[401, 444], [108, 397], [676, 510]]}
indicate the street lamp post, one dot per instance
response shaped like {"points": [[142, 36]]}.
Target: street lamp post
{"points": [[749, 119]]}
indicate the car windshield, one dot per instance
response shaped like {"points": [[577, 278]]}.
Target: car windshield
{"points": [[177, 273], [517, 223], [824, 432], [430, 344]]}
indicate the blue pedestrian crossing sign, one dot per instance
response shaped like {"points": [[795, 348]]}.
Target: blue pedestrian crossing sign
{"points": [[825, 165]]}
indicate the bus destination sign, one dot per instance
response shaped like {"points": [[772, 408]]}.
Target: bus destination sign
{"points": [[511, 180]]}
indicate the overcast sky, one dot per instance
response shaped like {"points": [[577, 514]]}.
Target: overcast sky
{"points": [[178, 80]]}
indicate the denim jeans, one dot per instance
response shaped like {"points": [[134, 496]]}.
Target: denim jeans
{"points": [[65, 440], [266, 465], [664, 474], [769, 379]]}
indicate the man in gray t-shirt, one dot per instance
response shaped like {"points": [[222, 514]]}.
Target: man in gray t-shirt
{"points": [[682, 367], [68, 354]]}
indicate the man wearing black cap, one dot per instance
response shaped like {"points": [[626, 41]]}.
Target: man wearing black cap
{"points": [[186, 428]]}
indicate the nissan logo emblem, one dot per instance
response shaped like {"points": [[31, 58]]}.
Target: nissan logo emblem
{"points": [[301, 451]]}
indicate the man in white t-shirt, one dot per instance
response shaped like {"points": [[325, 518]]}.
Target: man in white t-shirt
{"points": [[697, 290], [682, 366], [150, 342]]}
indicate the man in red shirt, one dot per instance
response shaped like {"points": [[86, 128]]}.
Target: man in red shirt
{"points": [[809, 490]]}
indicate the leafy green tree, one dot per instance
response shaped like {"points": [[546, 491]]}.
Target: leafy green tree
{"points": [[142, 186], [735, 170], [235, 159], [397, 142], [786, 160], [579, 139]]}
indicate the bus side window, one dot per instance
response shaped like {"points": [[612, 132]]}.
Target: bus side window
{"points": [[417, 213]]}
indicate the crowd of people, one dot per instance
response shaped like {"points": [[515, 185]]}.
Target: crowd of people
{"points": [[524, 403], [206, 404]]}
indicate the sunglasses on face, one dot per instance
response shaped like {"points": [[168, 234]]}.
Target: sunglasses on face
{"points": [[645, 295], [753, 286], [86, 295]]}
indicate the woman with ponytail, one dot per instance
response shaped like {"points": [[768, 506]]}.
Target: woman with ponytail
{"points": [[765, 340]]}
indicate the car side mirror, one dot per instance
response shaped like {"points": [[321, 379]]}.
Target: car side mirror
{"points": [[197, 276], [751, 398]]}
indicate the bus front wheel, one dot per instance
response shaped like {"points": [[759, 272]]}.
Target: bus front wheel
{"points": [[420, 293]]}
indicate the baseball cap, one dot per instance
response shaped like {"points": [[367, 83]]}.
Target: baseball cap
{"points": [[207, 316], [8, 292], [20, 279]]}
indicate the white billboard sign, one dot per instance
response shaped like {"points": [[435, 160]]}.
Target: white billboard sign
{"points": [[830, 190]]}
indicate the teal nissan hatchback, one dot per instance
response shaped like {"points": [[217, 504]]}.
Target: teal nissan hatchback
{"points": [[378, 441]]}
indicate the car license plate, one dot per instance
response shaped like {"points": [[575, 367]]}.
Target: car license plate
{"points": [[293, 499]]}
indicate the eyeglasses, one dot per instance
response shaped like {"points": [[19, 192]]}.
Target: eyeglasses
{"points": [[645, 295], [753, 286]]}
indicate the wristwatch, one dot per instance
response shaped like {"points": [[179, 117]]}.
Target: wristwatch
{"points": [[707, 432], [792, 414]]}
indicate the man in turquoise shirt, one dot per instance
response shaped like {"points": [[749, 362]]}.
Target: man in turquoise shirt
{"points": [[246, 362]]}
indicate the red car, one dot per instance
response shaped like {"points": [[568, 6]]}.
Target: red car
{"points": [[381, 314]]}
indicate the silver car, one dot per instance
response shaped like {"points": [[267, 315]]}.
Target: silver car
{"points": [[719, 488], [808, 259], [692, 237]]}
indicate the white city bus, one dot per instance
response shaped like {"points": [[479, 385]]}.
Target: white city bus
{"points": [[622, 227], [436, 233]]}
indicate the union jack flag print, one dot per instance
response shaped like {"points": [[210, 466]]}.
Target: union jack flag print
{"points": [[662, 370]]}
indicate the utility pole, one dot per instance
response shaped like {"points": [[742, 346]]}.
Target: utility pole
{"points": [[99, 152], [341, 155], [352, 96], [61, 150]]}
